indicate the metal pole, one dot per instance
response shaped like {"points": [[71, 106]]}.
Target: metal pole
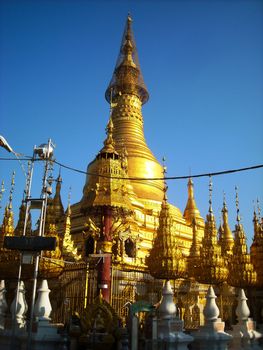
{"points": [[27, 196], [40, 233]]}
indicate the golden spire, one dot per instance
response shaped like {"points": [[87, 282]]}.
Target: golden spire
{"points": [[256, 249], [241, 270], [126, 93], [109, 144], [127, 77], [165, 260], [51, 263], [191, 211], [1, 193], [50, 222], [69, 252], [21, 221], [212, 267], [194, 254], [227, 240], [8, 221], [57, 202]]}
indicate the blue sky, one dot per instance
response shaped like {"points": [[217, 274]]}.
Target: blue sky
{"points": [[202, 62]]}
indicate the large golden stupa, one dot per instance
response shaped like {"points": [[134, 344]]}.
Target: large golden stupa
{"points": [[123, 231], [126, 94]]}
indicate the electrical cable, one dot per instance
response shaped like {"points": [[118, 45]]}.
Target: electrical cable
{"points": [[223, 172], [214, 173]]}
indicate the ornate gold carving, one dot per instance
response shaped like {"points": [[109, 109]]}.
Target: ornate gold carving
{"points": [[212, 267], [242, 273], [256, 250], [166, 260]]}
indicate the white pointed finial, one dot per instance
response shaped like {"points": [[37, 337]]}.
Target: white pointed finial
{"points": [[19, 306], [42, 309], [211, 310], [242, 310], [167, 308], [3, 304]]}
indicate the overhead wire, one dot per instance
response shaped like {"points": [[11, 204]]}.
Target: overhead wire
{"points": [[215, 173], [181, 177]]}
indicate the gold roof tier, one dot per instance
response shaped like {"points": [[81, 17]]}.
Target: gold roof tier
{"points": [[126, 93]]}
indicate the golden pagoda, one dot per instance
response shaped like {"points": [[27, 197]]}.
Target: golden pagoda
{"points": [[19, 230], [212, 267], [256, 249], [165, 260], [241, 270], [8, 221], [123, 234], [226, 240], [127, 93], [8, 259]]}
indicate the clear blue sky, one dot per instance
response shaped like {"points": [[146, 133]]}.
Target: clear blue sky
{"points": [[202, 62]]}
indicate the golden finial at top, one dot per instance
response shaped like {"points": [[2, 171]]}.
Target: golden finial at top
{"points": [[210, 194], [127, 77], [11, 190], [109, 144], [227, 240], [165, 187], [237, 205], [224, 200], [69, 198], [1, 192], [259, 210]]}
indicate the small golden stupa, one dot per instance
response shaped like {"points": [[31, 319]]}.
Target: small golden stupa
{"points": [[212, 267], [241, 270]]}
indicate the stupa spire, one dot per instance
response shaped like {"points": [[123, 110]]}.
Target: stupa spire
{"points": [[256, 249], [69, 251], [241, 270], [57, 202], [166, 260], [126, 94], [2, 190], [127, 76], [109, 144], [227, 240], [8, 221], [212, 267], [21, 221], [191, 211]]}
